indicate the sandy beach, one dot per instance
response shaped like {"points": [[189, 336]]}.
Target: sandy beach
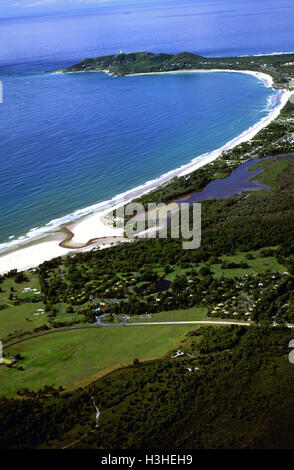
{"points": [[260, 75], [82, 233]]}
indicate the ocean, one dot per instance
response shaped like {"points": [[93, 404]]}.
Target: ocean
{"points": [[70, 142], [205, 27]]}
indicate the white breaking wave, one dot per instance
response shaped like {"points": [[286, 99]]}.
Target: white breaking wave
{"points": [[267, 54]]}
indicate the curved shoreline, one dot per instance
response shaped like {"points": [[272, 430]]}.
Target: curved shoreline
{"points": [[79, 230], [68, 243], [260, 75]]}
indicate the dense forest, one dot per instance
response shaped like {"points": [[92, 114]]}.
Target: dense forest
{"points": [[231, 388]]}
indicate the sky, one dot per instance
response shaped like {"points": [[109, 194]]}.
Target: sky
{"points": [[32, 7]]}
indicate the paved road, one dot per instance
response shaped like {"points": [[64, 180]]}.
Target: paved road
{"points": [[124, 323], [190, 322]]}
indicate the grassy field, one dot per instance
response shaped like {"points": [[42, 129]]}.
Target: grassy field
{"points": [[17, 318], [176, 272], [76, 358], [9, 284], [20, 318], [191, 314], [257, 265], [64, 317], [272, 170]]}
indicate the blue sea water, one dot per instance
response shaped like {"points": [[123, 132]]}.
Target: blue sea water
{"points": [[206, 27], [68, 142]]}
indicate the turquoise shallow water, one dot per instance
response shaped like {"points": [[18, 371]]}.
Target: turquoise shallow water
{"points": [[71, 141]]}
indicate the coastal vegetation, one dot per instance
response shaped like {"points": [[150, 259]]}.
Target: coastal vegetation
{"points": [[242, 271], [279, 66], [273, 173], [23, 308], [275, 139], [228, 387], [164, 386]]}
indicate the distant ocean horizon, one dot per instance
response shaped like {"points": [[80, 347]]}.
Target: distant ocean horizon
{"points": [[209, 28], [70, 142]]}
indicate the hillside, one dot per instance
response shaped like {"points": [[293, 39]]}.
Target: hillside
{"points": [[278, 66]]}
